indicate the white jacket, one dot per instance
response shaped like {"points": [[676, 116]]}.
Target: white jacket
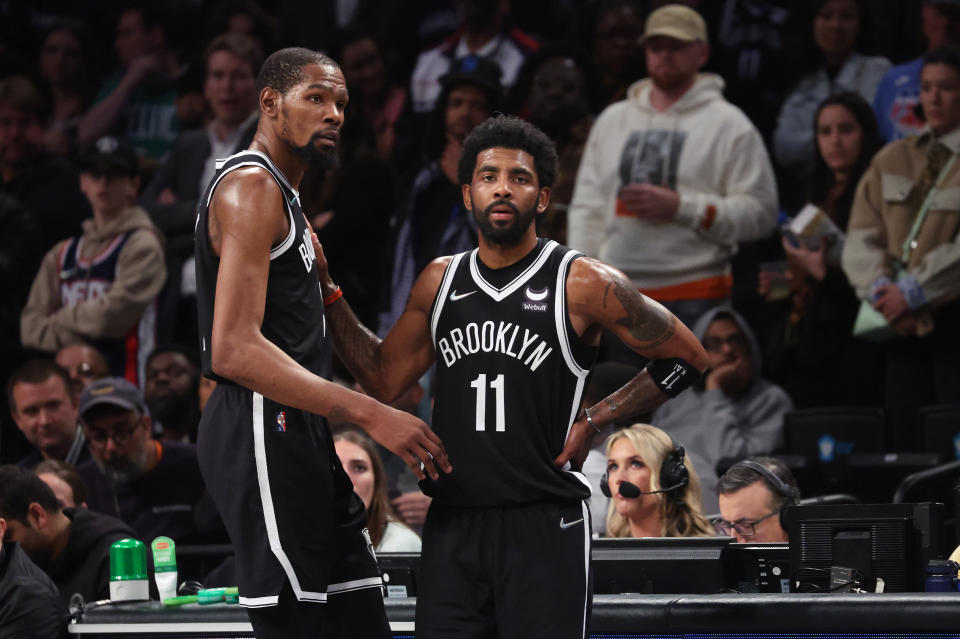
{"points": [[704, 148]]}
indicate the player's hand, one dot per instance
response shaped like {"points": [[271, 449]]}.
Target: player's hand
{"points": [[577, 446], [323, 272], [411, 439], [411, 508], [656, 204]]}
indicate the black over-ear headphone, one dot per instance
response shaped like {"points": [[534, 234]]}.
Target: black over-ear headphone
{"points": [[779, 486], [673, 473]]}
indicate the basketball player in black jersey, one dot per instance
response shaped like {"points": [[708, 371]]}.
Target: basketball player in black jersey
{"points": [[513, 327], [304, 562]]}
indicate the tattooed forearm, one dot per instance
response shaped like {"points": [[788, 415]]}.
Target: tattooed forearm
{"points": [[355, 344], [639, 395], [649, 324], [612, 403]]}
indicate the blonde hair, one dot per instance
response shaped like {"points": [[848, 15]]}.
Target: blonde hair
{"points": [[682, 512]]}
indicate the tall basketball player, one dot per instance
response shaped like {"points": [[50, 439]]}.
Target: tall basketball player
{"points": [[303, 558], [513, 327]]}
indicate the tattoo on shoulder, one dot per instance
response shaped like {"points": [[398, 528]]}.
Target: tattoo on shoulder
{"points": [[606, 291], [648, 324]]}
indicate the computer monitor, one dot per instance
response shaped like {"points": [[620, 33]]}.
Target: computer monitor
{"points": [[658, 565], [892, 542], [757, 567], [399, 571]]}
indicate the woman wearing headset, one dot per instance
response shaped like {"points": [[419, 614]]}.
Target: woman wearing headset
{"points": [[653, 491]]}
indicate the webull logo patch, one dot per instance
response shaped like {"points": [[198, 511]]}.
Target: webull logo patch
{"points": [[536, 300]]}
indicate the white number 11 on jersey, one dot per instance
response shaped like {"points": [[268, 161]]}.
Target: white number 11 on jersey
{"points": [[480, 383]]}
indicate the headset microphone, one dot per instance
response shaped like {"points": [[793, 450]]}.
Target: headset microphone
{"points": [[632, 491], [673, 475], [629, 490]]}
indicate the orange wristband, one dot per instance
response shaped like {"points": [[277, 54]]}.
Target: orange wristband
{"points": [[333, 297]]}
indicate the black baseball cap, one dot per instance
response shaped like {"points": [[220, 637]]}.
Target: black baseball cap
{"points": [[474, 69], [109, 156]]}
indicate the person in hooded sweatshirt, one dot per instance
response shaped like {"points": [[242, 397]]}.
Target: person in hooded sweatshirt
{"points": [[731, 412], [72, 545], [100, 287], [673, 177]]}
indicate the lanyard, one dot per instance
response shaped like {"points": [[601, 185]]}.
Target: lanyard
{"points": [[927, 203]]}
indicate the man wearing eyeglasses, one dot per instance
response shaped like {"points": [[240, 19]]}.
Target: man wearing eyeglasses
{"points": [[154, 487], [732, 412], [751, 500]]}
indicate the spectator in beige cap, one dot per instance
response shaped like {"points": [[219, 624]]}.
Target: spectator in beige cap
{"points": [[673, 177]]}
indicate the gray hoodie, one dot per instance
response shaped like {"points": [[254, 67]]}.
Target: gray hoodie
{"points": [[716, 426]]}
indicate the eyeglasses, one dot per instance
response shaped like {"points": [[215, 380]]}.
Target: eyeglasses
{"points": [[736, 342], [743, 528], [120, 436]]}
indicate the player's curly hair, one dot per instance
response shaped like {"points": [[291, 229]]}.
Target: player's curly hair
{"points": [[509, 132], [284, 68]]}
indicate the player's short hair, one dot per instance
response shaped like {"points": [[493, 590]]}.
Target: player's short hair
{"points": [[68, 473], [19, 488], [239, 45], [283, 69], [37, 371], [509, 132]]}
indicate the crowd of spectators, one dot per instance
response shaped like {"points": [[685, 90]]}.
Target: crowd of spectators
{"points": [[689, 136]]}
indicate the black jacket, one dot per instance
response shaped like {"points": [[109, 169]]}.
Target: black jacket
{"points": [[29, 606], [84, 565]]}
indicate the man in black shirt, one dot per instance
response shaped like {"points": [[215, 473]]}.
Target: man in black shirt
{"points": [[154, 487], [29, 606], [71, 545]]}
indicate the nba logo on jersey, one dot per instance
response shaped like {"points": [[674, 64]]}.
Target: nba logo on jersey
{"points": [[282, 422], [536, 300]]}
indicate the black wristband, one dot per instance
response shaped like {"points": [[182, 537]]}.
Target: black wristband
{"points": [[672, 375]]}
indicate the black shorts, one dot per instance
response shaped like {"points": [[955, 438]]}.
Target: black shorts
{"points": [[351, 615], [285, 499], [518, 571]]}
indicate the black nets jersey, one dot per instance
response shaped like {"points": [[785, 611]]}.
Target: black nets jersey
{"points": [[293, 317], [510, 377]]}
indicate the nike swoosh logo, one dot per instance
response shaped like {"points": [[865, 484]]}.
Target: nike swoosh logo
{"points": [[454, 297], [564, 524]]}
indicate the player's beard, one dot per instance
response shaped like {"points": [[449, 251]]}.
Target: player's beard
{"points": [[315, 157], [507, 235]]}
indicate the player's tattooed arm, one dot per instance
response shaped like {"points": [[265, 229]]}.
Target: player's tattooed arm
{"points": [[601, 297], [385, 368], [650, 325]]}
